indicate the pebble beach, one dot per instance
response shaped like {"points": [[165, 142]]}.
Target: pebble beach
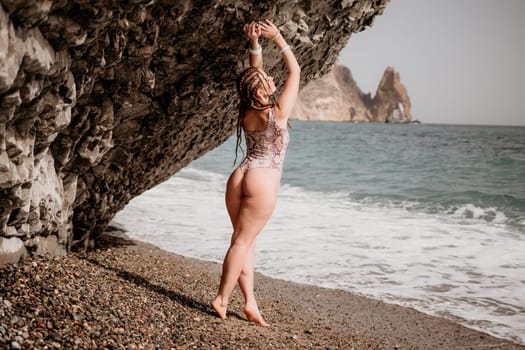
{"points": [[127, 294]]}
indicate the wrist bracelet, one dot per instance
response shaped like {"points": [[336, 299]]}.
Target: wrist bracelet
{"points": [[257, 51], [284, 49]]}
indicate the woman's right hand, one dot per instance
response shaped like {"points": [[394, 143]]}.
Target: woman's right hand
{"points": [[269, 30]]}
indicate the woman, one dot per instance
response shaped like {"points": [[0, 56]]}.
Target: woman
{"points": [[251, 191]]}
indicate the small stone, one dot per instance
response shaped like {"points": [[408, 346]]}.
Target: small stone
{"points": [[15, 346], [77, 316], [56, 336], [19, 339]]}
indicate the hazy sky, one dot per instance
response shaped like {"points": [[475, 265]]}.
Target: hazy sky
{"points": [[462, 61]]}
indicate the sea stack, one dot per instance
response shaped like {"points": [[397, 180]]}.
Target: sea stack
{"points": [[337, 97], [391, 104]]}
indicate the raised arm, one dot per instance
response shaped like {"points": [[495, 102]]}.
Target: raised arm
{"points": [[253, 31], [288, 97]]}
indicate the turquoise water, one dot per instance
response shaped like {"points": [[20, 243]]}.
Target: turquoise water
{"points": [[426, 216], [429, 168]]}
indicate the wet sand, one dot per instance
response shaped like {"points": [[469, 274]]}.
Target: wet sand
{"points": [[132, 295]]}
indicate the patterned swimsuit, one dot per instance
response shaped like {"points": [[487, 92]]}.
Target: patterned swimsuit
{"points": [[266, 148]]}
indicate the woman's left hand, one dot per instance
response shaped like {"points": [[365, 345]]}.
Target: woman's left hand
{"points": [[253, 31]]}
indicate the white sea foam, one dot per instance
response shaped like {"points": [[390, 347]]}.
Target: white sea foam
{"points": [[458, 265], [470, 211]]}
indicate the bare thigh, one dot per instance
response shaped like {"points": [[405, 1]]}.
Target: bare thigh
{"points": [[234, 195], [260, 187]]}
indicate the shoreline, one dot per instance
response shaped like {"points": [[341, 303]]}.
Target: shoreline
{"points": [[131, 294]]}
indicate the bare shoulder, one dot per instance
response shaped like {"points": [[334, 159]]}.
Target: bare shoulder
{"points": [[255, 120], [280, 119]]}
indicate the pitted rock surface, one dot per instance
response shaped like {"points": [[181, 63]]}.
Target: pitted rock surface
{"points": [[102, 100]]}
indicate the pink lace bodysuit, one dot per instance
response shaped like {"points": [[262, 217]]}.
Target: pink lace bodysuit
{"points": [[266, 148]]}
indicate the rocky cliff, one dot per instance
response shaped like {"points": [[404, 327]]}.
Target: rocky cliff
{"points": [[101, 100], [337, 97]]}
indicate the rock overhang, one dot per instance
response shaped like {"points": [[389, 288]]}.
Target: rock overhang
{"points": [[102, 100]]}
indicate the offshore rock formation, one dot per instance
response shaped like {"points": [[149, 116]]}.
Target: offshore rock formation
{"points": [[337, 97], [100, 100], [391, 104]]}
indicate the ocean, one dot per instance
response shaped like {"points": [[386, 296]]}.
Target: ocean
{"points": [[426, 216]]}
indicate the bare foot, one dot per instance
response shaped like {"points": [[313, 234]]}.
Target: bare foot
{"points": [[253, 314], [219, 308]]}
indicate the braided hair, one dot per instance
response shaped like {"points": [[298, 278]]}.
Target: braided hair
{"points": [[248, 82]]}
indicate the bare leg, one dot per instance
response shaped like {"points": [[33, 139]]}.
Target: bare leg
{"points": [[246, 282], [260, 188], [233, 198], [231, 269]]}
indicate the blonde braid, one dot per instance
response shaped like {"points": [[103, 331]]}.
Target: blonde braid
{"points": [[247, 84]]}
